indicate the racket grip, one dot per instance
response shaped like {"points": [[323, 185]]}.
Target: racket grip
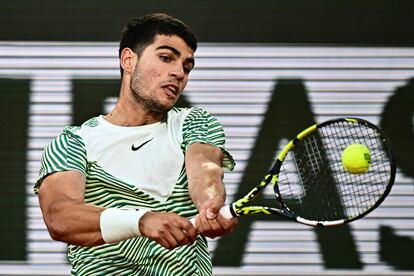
{"points": [[224, 211]]}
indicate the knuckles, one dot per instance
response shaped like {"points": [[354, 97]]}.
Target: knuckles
{"points": [[169, 230]]}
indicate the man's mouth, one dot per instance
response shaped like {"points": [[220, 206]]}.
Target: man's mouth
{"points": [[172, 89]]}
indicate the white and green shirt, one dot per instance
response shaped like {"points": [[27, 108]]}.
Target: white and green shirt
{"points": [[140, 168]]}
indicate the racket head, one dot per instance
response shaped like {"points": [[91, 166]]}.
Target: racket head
{"points": [[311, 184]]}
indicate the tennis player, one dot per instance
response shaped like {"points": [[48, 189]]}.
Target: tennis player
{"points": [[120, 188]]}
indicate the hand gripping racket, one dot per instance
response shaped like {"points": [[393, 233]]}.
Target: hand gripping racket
{"points": [[310, 183]]}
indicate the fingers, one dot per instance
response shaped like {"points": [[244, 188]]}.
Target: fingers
{"points": [[171, 241], [214, 226], [177, 236], [190, 230], [209, 220], [209, 225], [168, 229]]}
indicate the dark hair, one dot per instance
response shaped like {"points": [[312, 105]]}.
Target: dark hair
{"points": [[141, 32]]}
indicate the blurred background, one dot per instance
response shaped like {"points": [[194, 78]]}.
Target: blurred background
{"points": [[265, 69]]}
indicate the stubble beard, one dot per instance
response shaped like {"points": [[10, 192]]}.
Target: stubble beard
{"points": [[149, 103]]}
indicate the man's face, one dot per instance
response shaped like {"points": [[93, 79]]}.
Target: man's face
{"points": [[161, 73]]}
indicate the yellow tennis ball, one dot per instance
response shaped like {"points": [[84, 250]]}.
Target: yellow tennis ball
{"points": [[356, 158]]}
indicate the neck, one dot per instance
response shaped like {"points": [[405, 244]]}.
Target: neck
{"points": [[129, 112]]}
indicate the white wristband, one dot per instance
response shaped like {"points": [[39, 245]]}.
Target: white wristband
{"points": [[120, 224]]}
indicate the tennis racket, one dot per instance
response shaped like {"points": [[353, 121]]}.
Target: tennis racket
{"points": [[310, 183]]}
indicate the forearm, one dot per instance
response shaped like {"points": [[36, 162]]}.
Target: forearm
{"points": [[206, 188], [206, 183], [74, 222], [204, 172], [88, 225]]}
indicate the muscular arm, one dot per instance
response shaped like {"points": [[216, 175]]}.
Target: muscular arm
{"points": [[70, 220], [206, 188], [205, 175], [66, 215]]}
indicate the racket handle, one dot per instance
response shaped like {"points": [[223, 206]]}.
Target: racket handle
{"points": [[224, 211]]}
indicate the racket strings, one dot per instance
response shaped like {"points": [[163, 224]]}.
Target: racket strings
{"points": [[359, 192], [314, 184]]}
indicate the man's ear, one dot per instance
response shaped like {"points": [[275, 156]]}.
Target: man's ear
{"points": [[128, 60]]}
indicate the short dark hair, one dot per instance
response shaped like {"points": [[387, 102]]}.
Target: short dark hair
{"points": [[141, 32]]}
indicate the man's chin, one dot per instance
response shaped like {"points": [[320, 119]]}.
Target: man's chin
{"points": [[167, 106], [161, 108]]}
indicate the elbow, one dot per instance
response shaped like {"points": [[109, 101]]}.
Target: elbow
{"points": [[55, 224], [55, 228], [55, 235]]}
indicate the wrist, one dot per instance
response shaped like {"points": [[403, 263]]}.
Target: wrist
{"points": [[120, 224], [142, 221]]}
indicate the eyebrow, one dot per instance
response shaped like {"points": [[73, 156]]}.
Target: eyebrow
{"points": [[177, 53]]}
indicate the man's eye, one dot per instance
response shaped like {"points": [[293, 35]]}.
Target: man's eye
{"points": [[165, 58], [187, 69]]}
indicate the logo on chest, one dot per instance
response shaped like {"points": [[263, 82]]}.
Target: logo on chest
{"points": [[140, 146]]}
